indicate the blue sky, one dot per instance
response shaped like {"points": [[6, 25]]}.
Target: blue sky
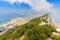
{"points": [[9, 8], [57, 6], [6, 5], [56, 3], [24, 6]]}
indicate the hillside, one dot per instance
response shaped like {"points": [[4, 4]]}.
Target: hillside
{"points": [[36, 29]]}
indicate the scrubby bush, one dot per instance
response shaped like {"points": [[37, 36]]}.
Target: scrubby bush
{"points": [[31, 31]]}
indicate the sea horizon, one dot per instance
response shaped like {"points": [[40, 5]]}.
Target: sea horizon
{"points": [[7, 17]]}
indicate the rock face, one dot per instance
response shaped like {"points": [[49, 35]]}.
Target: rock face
{"points": [[55, 34], [42, 23]]}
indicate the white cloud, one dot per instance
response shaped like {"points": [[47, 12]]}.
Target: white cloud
{"points": [[35, 4], [38, 5]]}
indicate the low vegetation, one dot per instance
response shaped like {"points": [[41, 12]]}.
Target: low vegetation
{"points": [[30, 31]]}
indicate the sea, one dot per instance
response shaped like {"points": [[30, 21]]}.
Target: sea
{"points": [[6, 17]]}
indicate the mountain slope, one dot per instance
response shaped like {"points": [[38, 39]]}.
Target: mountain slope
{"points": [[32, 30]]}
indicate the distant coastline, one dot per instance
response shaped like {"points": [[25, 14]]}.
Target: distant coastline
{"points": [[12, 23], [11, 20]]}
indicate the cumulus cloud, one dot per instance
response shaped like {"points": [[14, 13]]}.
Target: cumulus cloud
{"points": [[35, 4], [41, 6]]}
